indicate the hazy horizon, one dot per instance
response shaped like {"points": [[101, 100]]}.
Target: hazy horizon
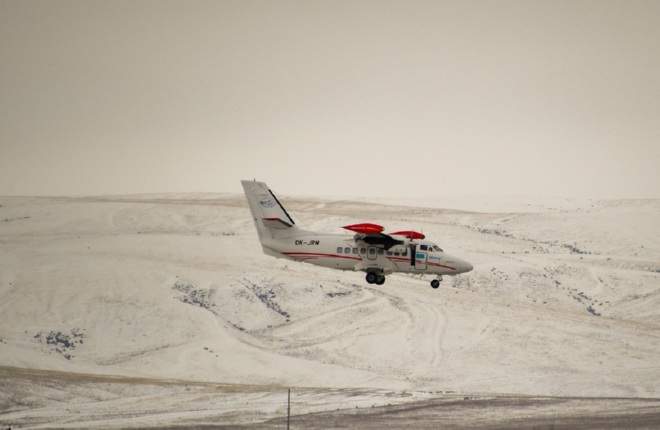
{"points": [[340, 98]]}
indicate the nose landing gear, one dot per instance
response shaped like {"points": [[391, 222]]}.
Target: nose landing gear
{"points": [[436, 282]]}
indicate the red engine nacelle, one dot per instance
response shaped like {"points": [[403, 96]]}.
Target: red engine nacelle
{"points": [[409, 234], [365, 228]]}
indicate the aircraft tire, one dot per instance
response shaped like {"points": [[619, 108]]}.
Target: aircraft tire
{"points": [[380, 280], [435, 283], [372, 277]]}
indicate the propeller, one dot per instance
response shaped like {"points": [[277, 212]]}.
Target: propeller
{"points": [[412, 235], [371, 234], [413, 253], [413, 246]]}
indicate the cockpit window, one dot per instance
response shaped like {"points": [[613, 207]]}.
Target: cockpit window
{"points": [[423, 248], [437, 248]]}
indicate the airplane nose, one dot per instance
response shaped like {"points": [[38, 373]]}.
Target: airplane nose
{"points": [[464, 266], [461, 266]]}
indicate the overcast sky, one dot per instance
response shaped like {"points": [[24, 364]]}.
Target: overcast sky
{"points": [[352, 98]]}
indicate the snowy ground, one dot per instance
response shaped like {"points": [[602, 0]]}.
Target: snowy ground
{"points": [[147, 311]]}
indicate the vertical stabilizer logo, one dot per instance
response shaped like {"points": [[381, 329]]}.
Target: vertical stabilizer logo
{"points": [[267, 203]]}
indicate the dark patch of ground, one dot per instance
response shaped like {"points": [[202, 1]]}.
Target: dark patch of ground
{"points": [[491, 411]]}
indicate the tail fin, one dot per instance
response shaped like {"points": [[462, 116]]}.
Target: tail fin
{"points": [[269, 216]]}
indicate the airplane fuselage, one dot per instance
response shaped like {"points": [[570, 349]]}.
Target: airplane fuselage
{"points": [[342, 252]]}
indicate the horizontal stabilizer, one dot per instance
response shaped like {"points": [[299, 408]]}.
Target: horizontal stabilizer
{"points": [[276, 223]]}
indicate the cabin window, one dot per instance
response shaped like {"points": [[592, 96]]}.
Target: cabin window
{"points": [[347, 250], [355, 250], [363, 251], [381, 251], [340, 250], [372, 251]]}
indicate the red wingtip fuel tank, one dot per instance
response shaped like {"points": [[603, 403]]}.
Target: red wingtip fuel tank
{"points": [[365, 228]]}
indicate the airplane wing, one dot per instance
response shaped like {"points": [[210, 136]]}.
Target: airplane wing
{"points": [[372, 234]]}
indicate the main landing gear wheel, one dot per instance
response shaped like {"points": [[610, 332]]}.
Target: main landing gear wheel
{"points": [[436, 282], [375, 278]]}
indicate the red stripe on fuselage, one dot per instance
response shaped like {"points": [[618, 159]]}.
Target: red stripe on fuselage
{"points": [[428, 263], [309, 255]]}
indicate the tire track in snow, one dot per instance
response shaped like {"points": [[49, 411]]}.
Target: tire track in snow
{"points": [[308, 331], [478, 335], [423, 326]]}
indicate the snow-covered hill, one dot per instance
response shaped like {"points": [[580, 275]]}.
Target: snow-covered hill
{"points": [[563, 301]]}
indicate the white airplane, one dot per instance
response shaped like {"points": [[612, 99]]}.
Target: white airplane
{"points": [[369, 249]]}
